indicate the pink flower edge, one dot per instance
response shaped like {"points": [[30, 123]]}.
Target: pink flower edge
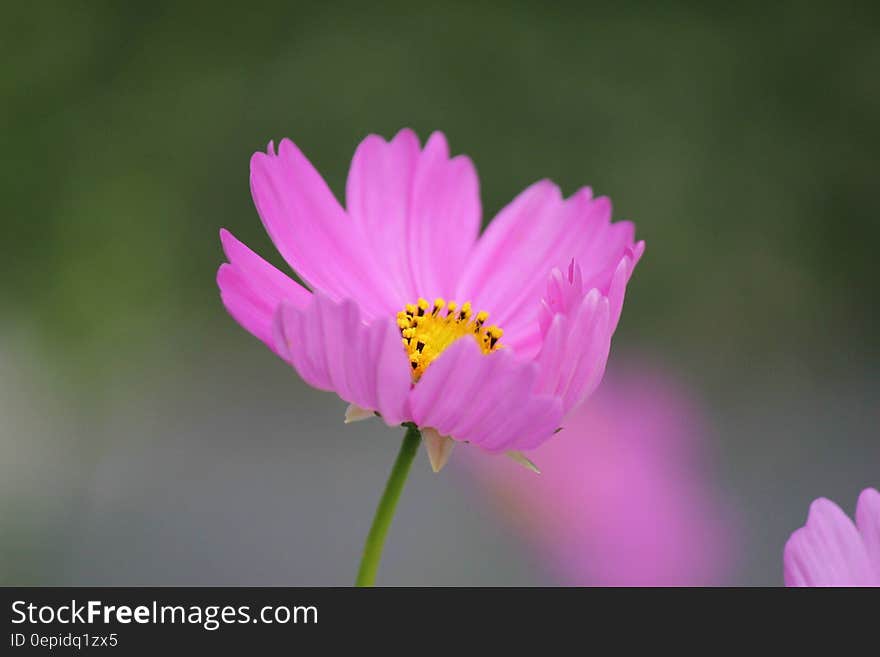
{"points": [[831, 550]]}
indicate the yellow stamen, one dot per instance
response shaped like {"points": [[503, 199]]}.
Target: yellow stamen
{"points": [[426, 331]]}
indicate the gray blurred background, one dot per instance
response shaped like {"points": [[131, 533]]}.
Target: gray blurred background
{"points": [[147, 439]]}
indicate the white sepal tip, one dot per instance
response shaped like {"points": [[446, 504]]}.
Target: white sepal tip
{"points": [[521, 458], [355, 413], [438, 447]]}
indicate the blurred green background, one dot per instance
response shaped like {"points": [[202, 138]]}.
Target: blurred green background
{"points": [[742, 139]]}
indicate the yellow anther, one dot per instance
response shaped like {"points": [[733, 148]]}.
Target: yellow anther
{"points": [[426, 335]]}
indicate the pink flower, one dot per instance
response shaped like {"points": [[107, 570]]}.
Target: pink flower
{"points": [[410, 233], [832, 551], [624, 498]]}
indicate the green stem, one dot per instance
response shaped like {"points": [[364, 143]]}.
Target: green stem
{"points": [[385, 511]]}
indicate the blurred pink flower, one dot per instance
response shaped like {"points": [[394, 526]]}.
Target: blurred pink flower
{"points": [[623, 498], [410, 233], [832, 551]]}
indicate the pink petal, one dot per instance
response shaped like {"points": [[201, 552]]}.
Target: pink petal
{"points": [[514, 250], [606, 247], [244, 304], [272, 284], [575, 351], [312, 232], [251, 288], [616, 289], [331, 348], [868, 522], [377, 198], [827, 551], [535, 233], [487, 400], [418, 211], [444, 218]]}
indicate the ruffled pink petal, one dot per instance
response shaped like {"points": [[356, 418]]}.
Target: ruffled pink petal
{"points": [[487, 400], [868, 522], [251, 288], [616, 288], [575, 351], [312, 232], [827, 551], [564, 293], [332, 348], [418, 210], [535, 233]]}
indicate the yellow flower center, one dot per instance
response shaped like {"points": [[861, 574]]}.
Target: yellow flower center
{"points": [[427, 330]]}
